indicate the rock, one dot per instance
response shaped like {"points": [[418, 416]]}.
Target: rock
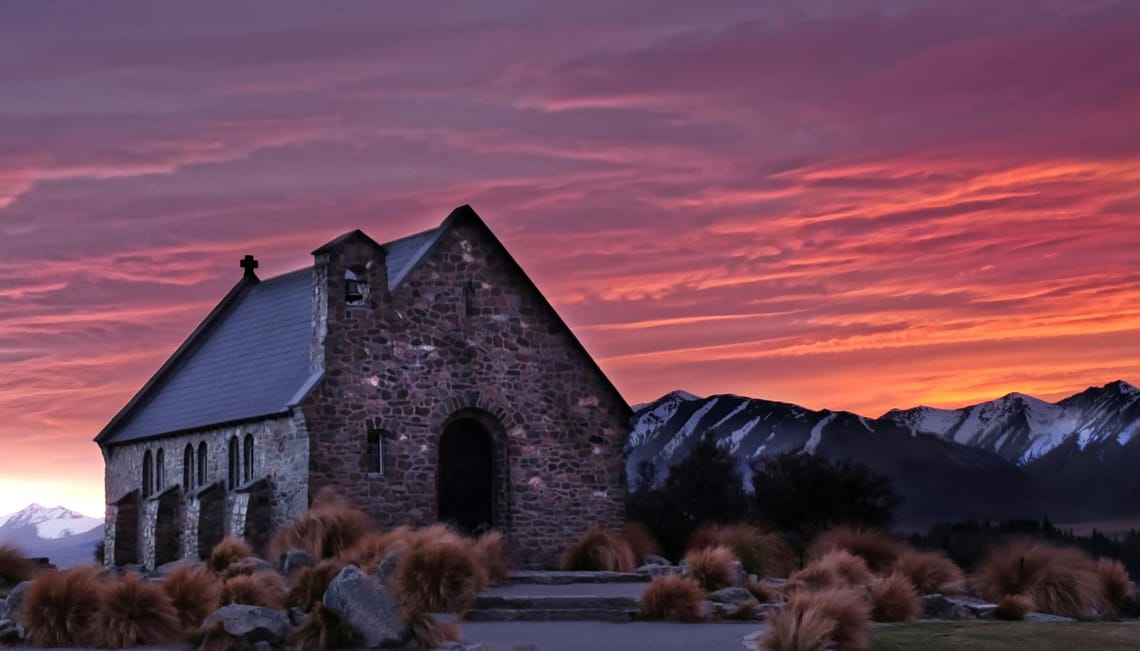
{"points": [[653, 559], [658, 570], [387, 566], [4, 614], [731, 595], [296, 616], [1046, 617], [365, 606], [262, 646], [937, 606], [294, 560], [10, 632], [16, 598], [251, 624], [741, 575]]}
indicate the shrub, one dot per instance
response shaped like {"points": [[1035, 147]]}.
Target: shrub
{"points": [[371, 548], [894, 599], [1119, 590], [599, 551], [1014, 607], [807, 493], [931, 572], [438, 577], [640, 540], [134, 612], [311, 582], [58, 607], [194, 592], [835, 569], [1060, 581], [14, 566], [878, 548], [799, 630], [848, 608], [762, 554], [492, 556], [227, 553], [713, 568], [321, 630], [431, 633], [672, 598], [265, 589]]}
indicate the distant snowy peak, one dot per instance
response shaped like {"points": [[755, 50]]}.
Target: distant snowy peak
{"points": [[50, 523]]}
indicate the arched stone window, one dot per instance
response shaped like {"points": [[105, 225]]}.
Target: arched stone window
{"points": [[247, 465], [188, 468], [147, 474], [234, 474], [159, 470], [202, 463]]}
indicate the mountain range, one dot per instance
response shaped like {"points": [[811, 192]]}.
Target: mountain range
{"points": [[1016, 456], [65, 537]]}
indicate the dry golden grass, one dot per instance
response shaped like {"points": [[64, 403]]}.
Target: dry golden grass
{"points": [[763, 554], [712, 567], [640, 540], [309, 586], [431, 633], [598, 550], [835, 569], [672, 598], [265, 589], [931, 572], [803, 630], [14, 566], [321, 630], [1118, 588], [228, 553], [1061, 581], [439, 577], [490, 552], [894, 599], [1014, 607], [195, 592], [133, 612], [847, 607], [878, 548], [59, 607]]}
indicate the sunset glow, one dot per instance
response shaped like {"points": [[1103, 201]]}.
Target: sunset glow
{"points": [[858, 205]]}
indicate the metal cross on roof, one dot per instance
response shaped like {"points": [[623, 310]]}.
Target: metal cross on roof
{"points": [[249, 263]]}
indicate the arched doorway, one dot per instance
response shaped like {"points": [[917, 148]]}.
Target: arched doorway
{"points": [[466, 477]]}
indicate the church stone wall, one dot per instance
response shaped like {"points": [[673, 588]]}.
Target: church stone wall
{"points": [[281, 453], [416, 357]]}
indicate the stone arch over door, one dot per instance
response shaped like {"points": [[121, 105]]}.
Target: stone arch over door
{"points": [[472, 472]]}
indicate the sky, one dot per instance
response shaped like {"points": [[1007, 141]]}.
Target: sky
{"points": [[858, 204]]}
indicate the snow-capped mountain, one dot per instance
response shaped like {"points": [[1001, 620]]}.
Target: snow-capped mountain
{"points": [[1014, 456], [64, 536], [1022, 428]]}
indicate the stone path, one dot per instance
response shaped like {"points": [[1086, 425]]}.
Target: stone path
{"points": [[600, 636]]}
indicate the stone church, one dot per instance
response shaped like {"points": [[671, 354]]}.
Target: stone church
{"points": [[426, 379]]}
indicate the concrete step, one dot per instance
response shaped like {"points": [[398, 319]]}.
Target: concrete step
{"points": [[558, 615], [546, 603], [562, 578], [555, 602]]}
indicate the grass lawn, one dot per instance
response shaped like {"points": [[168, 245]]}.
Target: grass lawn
{"points": [[1007, 636]]}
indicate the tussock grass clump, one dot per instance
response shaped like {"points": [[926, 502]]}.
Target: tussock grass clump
{"points": [[894, 599], [931, 572], [59, 607], [598, 550], [640, 540], [1014, 607], [265, 589], [712, 567], [311, 582], [431, 633], [329, 528], [14, 566], [704, 536], [672, 598], [1061, 581], [878, 548], [227, 553], [439, 577], [764, 593], [763, 554], [835, 569], [846, 607], [490, 552], [371, 548], [798, 630], [321, 630], [194, 592], [1118, 588], [134, 612]]}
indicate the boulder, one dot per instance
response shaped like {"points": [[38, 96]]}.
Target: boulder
{"points": [[293, 560], [387, 566], [366, 607], [938, 606], [658, 570], [10, 632], [1047, 618], [653, 559], [4, 610], [741, 575], [252, 624], [732, 595], [16, 598]]}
